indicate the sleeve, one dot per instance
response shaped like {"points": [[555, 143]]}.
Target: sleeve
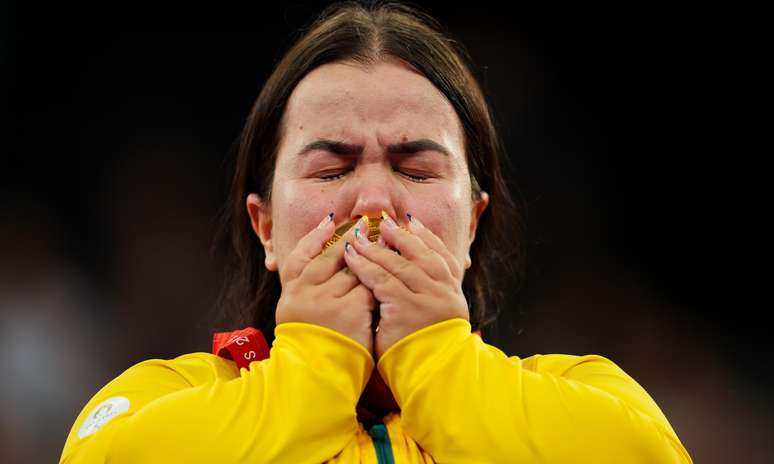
{"points": [[465, 401], [297, 406]]}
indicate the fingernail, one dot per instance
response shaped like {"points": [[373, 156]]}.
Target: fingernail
{"points": [[361, 232], [413, 220], [349, 249], [380, 242], [325, 220], [387, 220]]}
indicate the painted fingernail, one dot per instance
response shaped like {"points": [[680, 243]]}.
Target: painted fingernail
{"points": [[349, 249], [325, 220], [361, 232], [413, 220], [388, 220]]}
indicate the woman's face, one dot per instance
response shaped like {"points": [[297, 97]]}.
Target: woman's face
{"points": [[361, 140]]}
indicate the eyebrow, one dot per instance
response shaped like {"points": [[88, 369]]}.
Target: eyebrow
{"points": [[341, 148]]}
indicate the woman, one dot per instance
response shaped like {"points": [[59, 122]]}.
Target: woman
{"points": [[372, 114]]}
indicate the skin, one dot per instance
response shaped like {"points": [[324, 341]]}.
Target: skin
{"points": [[371, 113]]}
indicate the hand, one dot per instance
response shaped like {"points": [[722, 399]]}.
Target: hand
{"points": [[317, 288], [416, 288]]}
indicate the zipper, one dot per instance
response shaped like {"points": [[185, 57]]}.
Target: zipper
{"points": [[381, 440]]}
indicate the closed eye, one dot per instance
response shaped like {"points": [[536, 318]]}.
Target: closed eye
{"points": [[332, 176], [415, 178]]}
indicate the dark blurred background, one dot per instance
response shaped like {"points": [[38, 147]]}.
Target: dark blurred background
{"points": [[631, 136]]}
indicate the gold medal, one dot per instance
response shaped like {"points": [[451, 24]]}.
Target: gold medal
{"points": [[373, 230]]}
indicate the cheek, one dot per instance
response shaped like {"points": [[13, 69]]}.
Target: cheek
{"points": [[445, 214], [305, 209], [296, 211]]}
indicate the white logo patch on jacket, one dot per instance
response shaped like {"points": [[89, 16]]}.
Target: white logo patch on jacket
{"points": [[102, 414]]}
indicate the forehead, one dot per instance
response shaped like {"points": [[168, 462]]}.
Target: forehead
{"points": [[350, 101]]}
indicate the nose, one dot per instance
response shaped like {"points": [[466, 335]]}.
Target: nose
{"points": [[375, 191]]}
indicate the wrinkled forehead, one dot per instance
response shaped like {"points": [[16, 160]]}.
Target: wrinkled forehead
{"points": [[349, 100]]}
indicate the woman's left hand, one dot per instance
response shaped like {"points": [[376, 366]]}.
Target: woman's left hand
{"points": [[420, 286]]}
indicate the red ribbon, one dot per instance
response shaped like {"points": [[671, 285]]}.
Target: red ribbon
{"points": [[242, 346]]}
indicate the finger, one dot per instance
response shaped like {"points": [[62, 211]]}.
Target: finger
{"points": [[412, 248], [330, 261], [343, 282], [307, 249], [433, 242], [399, 276]]}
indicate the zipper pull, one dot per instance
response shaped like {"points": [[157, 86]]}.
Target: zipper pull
{"points": [[378, 431]]}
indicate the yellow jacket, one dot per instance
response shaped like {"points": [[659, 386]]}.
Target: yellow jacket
{"points": [[461, 400]]}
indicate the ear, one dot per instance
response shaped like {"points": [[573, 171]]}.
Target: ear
{"points": [[260, 218], [479, 206]]}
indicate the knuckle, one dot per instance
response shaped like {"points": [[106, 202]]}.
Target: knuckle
{"points": [[294, 257], [455, 267], [402, 268], [386, 314], [310, 274], [382, 279]]}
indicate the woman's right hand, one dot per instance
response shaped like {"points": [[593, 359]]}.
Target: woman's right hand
{"points": [[318, 288]]}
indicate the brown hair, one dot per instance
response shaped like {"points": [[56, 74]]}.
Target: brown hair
{"points": [[368, 33]]}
